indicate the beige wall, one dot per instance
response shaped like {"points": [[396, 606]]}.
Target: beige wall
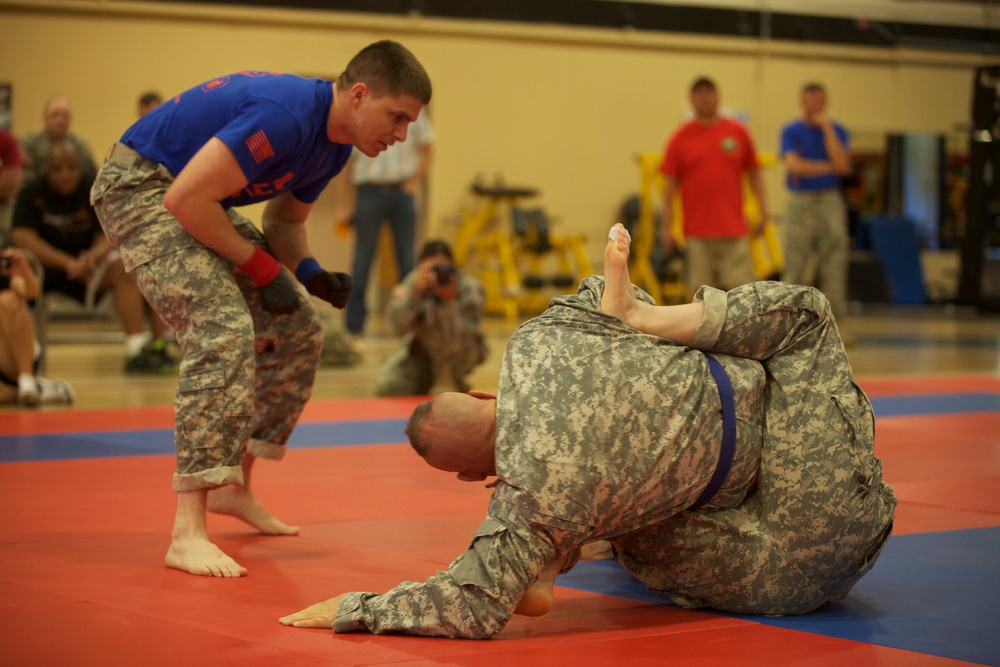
{"points": [[560, 109]]}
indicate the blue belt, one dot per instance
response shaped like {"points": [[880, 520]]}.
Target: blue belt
{"points": [[728, 433]]}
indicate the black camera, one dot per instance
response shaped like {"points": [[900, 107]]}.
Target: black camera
{"points": [[445, 273]]}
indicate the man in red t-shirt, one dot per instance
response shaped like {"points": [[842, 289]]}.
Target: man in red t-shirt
{"points": [[706, 159], [11, 178]]}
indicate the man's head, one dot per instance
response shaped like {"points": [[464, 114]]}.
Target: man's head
{"points": [[149, 101], [56, 117], [436, 255], [388, 68], [813, 99], [704, 99], [456, 433], [63, 169], [386, 87]]}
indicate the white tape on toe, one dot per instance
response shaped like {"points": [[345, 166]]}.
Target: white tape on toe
{"points": [[613, 233]]}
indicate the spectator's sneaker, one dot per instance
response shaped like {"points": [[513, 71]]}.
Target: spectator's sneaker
{"points": [[28, 393], [55, 392], [147, 361], [159, 348]]}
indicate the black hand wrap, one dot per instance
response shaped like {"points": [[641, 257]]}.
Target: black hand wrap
{"points": [[277, 291], [280, 296], [334, 288]]}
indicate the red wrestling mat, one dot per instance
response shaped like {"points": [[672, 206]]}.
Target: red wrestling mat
{"points": [[82, 545]]}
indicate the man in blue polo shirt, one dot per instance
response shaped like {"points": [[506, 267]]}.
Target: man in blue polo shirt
{"points": [[815, 152], [166, 198]]}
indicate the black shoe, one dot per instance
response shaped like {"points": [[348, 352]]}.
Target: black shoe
{"points": [[145, 362], [159, 347]]}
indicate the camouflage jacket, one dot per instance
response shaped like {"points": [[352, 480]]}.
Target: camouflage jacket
{"points": [[452, 328], [601, 430]]}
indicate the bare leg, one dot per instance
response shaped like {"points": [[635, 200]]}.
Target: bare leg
{"points": [[676, 323], [190, 549], [239, 501], [129, 302], [17, 335]]}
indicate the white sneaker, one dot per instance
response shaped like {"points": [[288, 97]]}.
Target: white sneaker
{"points": [[55, 392], [28, 393]]}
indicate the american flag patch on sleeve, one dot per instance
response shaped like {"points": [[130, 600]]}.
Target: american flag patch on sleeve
{"points": [[259, 146]]}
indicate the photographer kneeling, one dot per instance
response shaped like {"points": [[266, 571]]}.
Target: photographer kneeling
{"points": [[437, 309]]}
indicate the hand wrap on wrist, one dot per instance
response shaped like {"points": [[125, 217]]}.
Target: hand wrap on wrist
{"points": [[334, 288], [261, 267], [277, 293]]}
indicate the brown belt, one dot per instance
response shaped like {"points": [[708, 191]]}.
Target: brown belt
{"points": [[127, 156]]}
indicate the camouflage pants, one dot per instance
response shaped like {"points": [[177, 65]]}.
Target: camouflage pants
{"points": [[444, 345], [816, 224], [820, 514], [246, 374]]}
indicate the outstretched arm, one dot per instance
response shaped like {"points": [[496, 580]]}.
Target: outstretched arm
{"points": [[474, 599]]}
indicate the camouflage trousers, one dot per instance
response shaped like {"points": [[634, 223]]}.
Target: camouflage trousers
{"points": [[246, 374], [821, 512], [442, 346], [816, 224]]}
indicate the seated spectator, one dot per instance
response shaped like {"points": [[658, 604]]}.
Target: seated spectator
{"points": [[149, 101], [11, 179], [19, 351], [53, 219], [36, 146], [437, 309]]}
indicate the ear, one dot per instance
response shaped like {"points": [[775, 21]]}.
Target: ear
{"points": [[481, 394], [359, 91]]}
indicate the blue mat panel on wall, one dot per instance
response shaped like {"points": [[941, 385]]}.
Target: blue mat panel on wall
{"points": [[895, 241]]}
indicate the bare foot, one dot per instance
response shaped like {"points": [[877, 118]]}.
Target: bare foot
{"points": [[537, 600], [600, 550], [197, 555], [237, 500], [619, 299]]}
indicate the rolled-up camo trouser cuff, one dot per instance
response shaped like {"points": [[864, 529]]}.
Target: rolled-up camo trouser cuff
{"points": [[266, 450], [208, 479]]}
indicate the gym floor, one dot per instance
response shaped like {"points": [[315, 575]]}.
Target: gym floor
{"points": [[89, 509]]}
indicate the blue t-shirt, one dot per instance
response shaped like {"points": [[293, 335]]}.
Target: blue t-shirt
{"points": [[275, 125], [807, 141]]}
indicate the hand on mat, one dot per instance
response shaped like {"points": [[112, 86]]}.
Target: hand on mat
{"points": [[319, 615]]}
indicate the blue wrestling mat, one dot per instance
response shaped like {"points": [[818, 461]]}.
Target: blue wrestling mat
{"points": [[933, 593], [97, 444]]}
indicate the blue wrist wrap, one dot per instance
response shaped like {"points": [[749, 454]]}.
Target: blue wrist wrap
{"points": [[306, 268]]}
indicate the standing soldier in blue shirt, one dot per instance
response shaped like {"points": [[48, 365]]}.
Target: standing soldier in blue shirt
{"points": [[815, 152], [166, 197]]}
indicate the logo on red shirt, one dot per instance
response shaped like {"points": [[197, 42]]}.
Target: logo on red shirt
{"points": [[259, 146]]}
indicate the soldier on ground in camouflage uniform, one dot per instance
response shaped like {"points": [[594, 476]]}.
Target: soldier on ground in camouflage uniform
{"points": [[250, 336], [613, 421], [437, 309]]}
